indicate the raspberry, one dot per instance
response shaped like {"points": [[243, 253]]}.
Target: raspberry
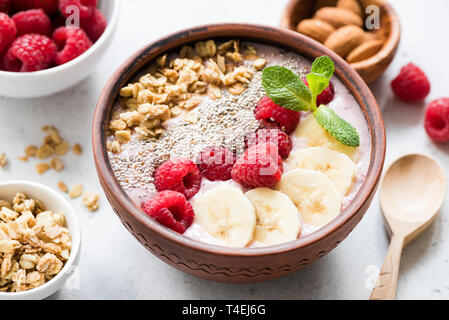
{"points": [[5, 5], [279, 138], [327, 96], [49, 6], [180, 175], [86, 7], [71, 42], [437, 120], [216, 163], [31, 52], [171, 209], [95, 25], [411, 85], [32, 21], [8, 31], [259, 166], [271, 114]]}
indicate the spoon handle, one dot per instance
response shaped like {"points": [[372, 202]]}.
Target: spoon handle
{"points": [[385, 288]]}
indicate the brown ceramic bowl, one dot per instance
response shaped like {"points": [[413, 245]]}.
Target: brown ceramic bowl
{"points": [[390, 29], [229, 264]]}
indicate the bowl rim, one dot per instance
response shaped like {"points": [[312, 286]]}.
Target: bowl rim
{"points": [[391, 44], [99, 43], [74, 251], [258, 33]]}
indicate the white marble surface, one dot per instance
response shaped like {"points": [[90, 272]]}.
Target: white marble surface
{"points": [[115, 266]]}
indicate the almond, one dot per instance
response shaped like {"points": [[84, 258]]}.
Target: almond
{"points": [[315, 29], [338, 17], [365, 51], [344, 40], [351, 5], [370, 36]]}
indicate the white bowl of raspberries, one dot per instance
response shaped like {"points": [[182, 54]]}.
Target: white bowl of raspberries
{"points": [[47, 46]]}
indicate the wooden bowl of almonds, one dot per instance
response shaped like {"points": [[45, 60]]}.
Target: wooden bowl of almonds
{"points": [[366, 33]]}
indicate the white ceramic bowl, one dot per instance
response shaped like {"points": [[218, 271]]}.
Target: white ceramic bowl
{"points": [[53, 201], [49, 81]]}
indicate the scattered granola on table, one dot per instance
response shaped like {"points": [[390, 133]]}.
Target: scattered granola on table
{"points": [[31, 151], [53, 146], [91, 201], [63, 187], [57, 164], [77, 149], [3, 160], [34, 244], [76, 191], [41, 168]]}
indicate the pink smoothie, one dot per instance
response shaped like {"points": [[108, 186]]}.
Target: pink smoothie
{"points": [[137, 183]]}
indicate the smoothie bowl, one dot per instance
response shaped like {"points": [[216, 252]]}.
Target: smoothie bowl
{"points": [[220, 160]]}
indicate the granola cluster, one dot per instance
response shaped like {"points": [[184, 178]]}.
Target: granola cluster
{"points": [[90, 200], [53, 147], [34, 244], [176, 86], [3, 160]]}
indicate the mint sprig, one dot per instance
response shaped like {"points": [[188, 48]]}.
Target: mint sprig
{"points": [[288, 90]]}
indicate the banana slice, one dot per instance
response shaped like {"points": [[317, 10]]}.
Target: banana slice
{"points": [[317, 199], [227, 215], [277, 217], [335, 165], [316, 136]]}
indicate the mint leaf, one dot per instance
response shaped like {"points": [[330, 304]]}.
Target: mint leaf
{"points": [[337, 127], [324, 66], [317, 83], [322, 70], [286, 89]]}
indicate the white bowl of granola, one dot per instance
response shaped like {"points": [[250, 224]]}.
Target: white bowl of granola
{"points": [[39, 241]]}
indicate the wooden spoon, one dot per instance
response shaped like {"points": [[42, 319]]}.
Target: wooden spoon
{"points": [[411, 196]]}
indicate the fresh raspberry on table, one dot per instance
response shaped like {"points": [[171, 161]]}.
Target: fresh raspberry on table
{"points": [[279, 138], [5, 5], [95, 25], [411, 85], [31, 52], [180, 175], [437, 120], [171, 209], [259, 166], [271, 114], [32, 21], [8, 31], [325, 97], [216, 163], [71, 42], [49, 6], [86, 7]]}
